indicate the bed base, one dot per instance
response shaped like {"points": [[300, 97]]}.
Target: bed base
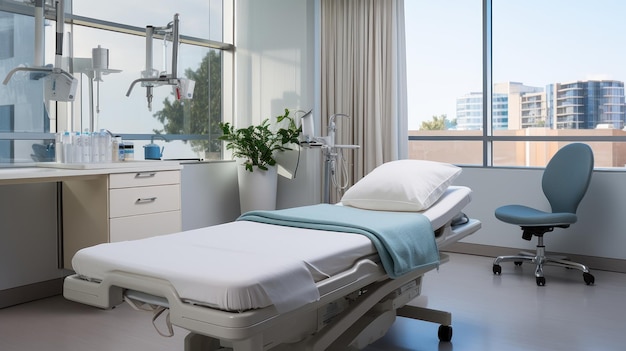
{"points": [[354, 328], [346, 318], [356, 308]]}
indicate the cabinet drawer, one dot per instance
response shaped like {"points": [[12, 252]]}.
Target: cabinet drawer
{"points": [[144, 226], [149, 199], [129, 180]]}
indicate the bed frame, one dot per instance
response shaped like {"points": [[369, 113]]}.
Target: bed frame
{"points": [[356, 308]]}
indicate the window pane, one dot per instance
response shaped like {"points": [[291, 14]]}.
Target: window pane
{"points": [[456, 151], [7, 31], [538, 154], [190, 126], [198, 18], [7, 121], [444, 72], [115, 111], [22, 108], [556, 77], [33, 151]]}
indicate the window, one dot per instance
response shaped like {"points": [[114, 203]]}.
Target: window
{"points": [[201, 19], [24, 118], [6, 36], [187, 128], [444, 80], [544, 80], [7, 118]]}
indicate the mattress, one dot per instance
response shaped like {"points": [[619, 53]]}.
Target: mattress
{"points": [[246, 265]]}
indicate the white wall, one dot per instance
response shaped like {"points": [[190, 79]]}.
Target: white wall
{"points": [[274, 70], [209, 194], [599, 231], [602, 213]]}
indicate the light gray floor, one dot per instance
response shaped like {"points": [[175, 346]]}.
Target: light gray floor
{"points": [[508, 312]]}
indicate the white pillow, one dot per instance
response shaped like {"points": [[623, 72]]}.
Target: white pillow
{"points": [[403, 185]]}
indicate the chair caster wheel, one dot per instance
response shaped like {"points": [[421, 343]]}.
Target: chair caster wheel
{"points": [[541, 281], [497, 269], [589, 279], [445, 333], [518, 263]]}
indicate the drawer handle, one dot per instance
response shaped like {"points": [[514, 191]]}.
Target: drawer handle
{"points": [[145, 174], [143, 200]]}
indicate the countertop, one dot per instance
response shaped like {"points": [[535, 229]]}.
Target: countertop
{"points": [[53, 172]]}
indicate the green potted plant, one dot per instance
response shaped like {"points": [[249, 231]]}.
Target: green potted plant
{"points": [[257, 146]]}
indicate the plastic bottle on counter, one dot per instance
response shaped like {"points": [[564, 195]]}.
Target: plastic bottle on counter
{"points": [[85, 144], [122, 152], [58, 147], [77, 146], [129, 151], [115, 149], [67, 147], [109, 152], [104, 146], [95, 147]]}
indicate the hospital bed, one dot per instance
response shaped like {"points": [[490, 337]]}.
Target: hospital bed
{"points": [[244, 285]]}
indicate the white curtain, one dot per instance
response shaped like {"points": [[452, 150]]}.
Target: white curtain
{"points": [[364, 76]]}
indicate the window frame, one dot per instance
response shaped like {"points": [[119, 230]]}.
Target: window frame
{"points": [[61, 113], [141, 32], [488, 138]]}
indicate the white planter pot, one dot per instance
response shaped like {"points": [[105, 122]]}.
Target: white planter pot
{"points": [[257, 190]]}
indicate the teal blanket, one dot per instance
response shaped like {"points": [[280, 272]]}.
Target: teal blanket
{"points": [[404, 240]]}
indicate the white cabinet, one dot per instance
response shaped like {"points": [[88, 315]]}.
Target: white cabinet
{"points": [[118, 207], [144, 204]]}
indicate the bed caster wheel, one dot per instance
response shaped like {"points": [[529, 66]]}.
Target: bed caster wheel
{"points": [[497, 269], [589, 279], [445, 333], [518, 263], [541, 281]]}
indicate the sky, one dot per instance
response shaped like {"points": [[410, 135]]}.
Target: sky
{"points": [[535, 42]]}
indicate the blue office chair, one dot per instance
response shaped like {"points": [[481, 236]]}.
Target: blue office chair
{"points": [[564, 183]]}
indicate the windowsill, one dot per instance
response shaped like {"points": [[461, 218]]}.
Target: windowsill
{"points": [[184, 161]]}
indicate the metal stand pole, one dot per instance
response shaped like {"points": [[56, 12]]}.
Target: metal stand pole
{"points": [[327, 170]]}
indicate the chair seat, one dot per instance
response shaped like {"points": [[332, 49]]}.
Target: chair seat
{"points": [[530, 217]]}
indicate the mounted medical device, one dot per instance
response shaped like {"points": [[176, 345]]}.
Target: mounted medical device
{"points": [[59, 85], [94, 68], [333, 157], [150, 77]]}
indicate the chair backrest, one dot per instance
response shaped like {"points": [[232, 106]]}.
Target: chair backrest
{"points": [[567, 176]]}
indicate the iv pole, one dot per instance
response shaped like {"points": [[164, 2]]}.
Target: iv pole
{"points": [[330, 149], [331, 155]]}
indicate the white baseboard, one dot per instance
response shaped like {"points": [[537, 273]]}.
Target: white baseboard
{"points": [[593, 262]]}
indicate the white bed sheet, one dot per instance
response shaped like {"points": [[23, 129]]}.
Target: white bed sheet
{"points": [[246, 265]]}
